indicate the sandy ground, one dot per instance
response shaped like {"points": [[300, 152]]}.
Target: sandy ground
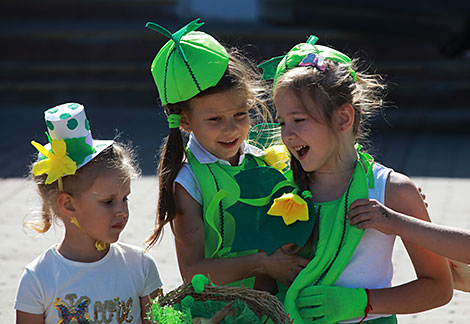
{"points": [[447, 197]]}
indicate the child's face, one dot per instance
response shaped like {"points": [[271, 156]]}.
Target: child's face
{"points": [[102, 210], [220, 122], [308, 139]]}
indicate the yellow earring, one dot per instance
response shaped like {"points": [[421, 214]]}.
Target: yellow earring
{"points": [[74, 221], [99, 245]]}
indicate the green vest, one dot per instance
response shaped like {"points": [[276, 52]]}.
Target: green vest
{"points": [[337, 240], [219, 192]]}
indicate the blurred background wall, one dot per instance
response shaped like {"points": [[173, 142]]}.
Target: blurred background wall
{"points": [[98, 52]]}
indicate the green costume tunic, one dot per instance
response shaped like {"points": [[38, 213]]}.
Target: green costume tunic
{"points": [[220, 191], [337, 240]]}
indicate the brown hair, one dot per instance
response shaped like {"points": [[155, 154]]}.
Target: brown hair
{"points": [[241, 75], [118, 157], [329, 90]]}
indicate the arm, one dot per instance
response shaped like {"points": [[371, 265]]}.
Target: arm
{"points": [[432, 288], [460, 275], [188, 228], [145, 303], [28, 318], [443, 240]]}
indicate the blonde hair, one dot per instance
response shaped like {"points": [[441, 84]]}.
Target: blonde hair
{"points": [[118, 157], [241, 75], [329, 90]]}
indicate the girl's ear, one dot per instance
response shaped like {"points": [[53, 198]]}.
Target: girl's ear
{"points": [[345, 117], [66, 204], [184, 122]]}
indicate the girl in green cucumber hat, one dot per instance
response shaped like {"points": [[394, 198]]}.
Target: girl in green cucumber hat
{"points": [[322, 102], [209, 92]]}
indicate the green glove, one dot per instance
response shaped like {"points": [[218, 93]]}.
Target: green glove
{"points": [[330, 304]]}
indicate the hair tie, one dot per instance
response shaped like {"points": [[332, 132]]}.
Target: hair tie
{"points": [[174, 120], [306, 194], [353, 73]]}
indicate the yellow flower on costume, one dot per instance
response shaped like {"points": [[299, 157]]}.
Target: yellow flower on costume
{"points": [[57, 162], [278, 157], [291, 207]]}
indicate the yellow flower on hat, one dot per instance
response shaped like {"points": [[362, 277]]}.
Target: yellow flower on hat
{"points": [[278, 157], [57, 162], [291, 207]]}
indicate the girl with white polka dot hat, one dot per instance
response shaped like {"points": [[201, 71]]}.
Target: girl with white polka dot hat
{"points": [[88, 276]]}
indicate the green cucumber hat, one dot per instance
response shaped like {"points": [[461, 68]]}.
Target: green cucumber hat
{"points": [[71, 144], [189, 63], [303, 54]]}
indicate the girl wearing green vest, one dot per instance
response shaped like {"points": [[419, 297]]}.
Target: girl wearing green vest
{"points": [[322, 103], [209, 93]]}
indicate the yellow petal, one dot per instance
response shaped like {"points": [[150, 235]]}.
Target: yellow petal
{"points": [[41, 167], [68, 165], [59, 147], [299, 212], [277, 156], [41, 149], [298, 200], [291, 207], [53, 175]]}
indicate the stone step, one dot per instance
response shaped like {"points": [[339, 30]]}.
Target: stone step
{"points": [[115, 39], [70, 10]]}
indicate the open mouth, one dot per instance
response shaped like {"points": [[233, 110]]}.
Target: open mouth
{"points": [[228, 144], [302, 151], [118, 226]]}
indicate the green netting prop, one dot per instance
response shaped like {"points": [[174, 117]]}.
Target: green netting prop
{"points": [[265, 135]]}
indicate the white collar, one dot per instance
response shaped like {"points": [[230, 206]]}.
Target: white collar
{"points": [[205, 157]]}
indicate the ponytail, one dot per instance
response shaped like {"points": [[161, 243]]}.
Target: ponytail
{"points": [[171, 161], [41, 224]]}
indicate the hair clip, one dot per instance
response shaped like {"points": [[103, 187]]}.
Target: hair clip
{"points": [[314, 60]]}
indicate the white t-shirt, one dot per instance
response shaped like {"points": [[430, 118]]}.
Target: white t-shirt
{"points": [[108, 289]]}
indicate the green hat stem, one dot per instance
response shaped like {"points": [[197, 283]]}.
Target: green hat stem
{"points": [[176, 37]]}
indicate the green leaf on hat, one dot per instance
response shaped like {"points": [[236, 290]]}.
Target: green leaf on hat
{"points": [[78, 149], [269, 67], [176, 37]]}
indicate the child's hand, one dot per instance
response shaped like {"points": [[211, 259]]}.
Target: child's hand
{"points": [[369, 213], [423, 196], [284, 265], [460, 275], [330, 304]]}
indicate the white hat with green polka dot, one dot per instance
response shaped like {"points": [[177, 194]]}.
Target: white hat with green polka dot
{"points": [[68, 122]]}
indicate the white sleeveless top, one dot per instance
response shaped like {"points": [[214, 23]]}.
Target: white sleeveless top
{"points": [[371, 263]]}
